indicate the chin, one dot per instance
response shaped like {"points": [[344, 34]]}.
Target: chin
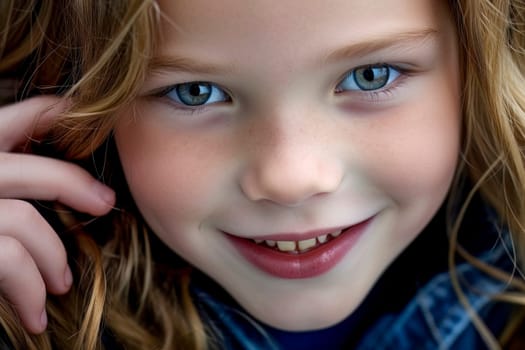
{"points": [[298, 318]]}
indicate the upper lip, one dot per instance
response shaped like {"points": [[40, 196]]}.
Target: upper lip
{"points": [[298, 236]]}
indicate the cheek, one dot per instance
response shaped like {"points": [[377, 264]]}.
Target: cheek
{"points": [[171, 177], [412, 153], [411, 158]]}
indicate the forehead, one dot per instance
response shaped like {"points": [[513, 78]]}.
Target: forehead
{"points": [[273, 19], [282, 31]]}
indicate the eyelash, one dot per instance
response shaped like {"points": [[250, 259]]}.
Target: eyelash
{"points": [[214, 90]]}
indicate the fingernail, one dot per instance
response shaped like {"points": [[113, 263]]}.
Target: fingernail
{"points": [[105, 193], [68, 277], [43, 319]]}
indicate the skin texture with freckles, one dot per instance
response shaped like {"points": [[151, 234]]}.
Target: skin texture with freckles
{"points": [[289, 153]]}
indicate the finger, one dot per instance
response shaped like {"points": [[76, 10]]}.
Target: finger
{"points": [[23, 223], [28, 119], [27, 176], [21, 284]]}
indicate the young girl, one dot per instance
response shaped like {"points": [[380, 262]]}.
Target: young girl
{"points": [[288, 175]]}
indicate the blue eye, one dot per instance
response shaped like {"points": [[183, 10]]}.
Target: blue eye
{"points": [[196, 93], [368, 78]]}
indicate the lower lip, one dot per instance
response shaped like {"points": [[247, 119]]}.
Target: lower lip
{"points": [[301, 265]]}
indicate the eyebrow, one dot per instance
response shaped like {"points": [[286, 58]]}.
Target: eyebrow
{"points": [[183, 64], [393, 40], [174, 63]]}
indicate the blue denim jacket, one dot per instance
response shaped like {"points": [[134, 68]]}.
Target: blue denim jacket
{"points": [[433, 318]]}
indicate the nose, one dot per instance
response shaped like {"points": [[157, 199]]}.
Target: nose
{"points": [[289, 165]]}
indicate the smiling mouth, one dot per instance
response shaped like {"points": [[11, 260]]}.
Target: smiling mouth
{"points": [[284, 257], [298, 247]]}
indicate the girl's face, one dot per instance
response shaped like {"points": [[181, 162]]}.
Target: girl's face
{"points": [[266, 128]]}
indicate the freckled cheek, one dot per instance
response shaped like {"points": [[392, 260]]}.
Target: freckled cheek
{"points": [[171, 177], [413, 156]]}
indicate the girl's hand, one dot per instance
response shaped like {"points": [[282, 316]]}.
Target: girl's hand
{"points": [[32, 257]]}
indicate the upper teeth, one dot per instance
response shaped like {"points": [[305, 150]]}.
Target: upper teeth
{"points": [[299, 246]]}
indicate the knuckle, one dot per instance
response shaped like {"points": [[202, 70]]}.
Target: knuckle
{"points": [[22, 211], [12, 253]]}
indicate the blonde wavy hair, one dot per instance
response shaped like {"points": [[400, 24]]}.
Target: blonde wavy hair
{"points": [[101, 60]]}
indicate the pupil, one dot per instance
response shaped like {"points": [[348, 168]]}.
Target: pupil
{"points": [[195, 90], [368, 74]]}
